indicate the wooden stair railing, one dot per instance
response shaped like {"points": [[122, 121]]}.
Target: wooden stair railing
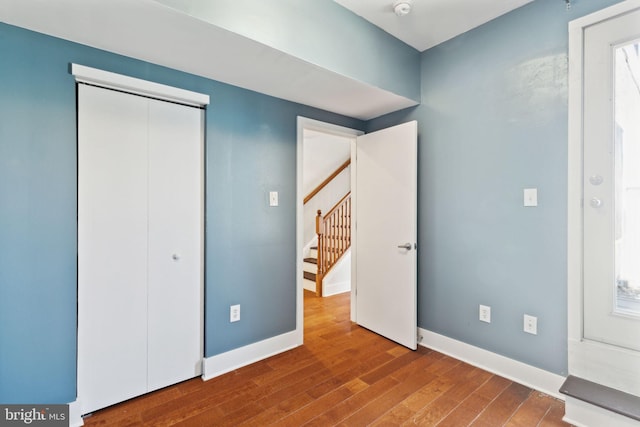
{"points": [[334, 237], [326, 181]]}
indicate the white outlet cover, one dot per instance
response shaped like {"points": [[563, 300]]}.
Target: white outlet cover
{"points": [[484, 313], [530, 324], [234, 313]]}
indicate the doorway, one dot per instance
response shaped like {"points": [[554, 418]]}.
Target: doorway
{"points": [[603, 230], [327, 208], [335, 135], [388, 187]]}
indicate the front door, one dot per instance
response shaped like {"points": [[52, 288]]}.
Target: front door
{"points": [[386, 232], [611, 200]]}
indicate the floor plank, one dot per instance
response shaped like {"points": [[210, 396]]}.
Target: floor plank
{"points": [[343, 375]]}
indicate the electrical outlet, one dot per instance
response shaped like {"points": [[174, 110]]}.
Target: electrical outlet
{"points": [[234, 313], [485, 313], [531, 324]]}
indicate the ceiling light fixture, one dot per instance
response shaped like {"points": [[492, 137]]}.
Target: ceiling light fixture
{"points": [[402, 7]]}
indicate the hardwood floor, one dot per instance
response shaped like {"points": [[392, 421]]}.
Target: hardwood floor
{"points": [[343, 375]]}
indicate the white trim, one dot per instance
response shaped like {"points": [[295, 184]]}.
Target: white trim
{"points": [[603, 15], [336, 288], [574, 183], [311, 124], [220, 364], [111, 80], [329, 284], [353, 315], [75, 414], [581, 414], [530, 376]]}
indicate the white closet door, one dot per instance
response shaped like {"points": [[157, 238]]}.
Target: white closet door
{"points": [[140, 238], [175, 243], [112, 247]]}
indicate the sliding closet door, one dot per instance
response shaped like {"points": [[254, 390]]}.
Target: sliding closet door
{"points": [[175, 243], [112, 246]]}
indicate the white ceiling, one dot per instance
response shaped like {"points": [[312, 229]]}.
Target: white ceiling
{"points": [[138, 29], [430, 22]]}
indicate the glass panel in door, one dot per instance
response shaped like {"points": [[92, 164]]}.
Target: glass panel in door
{"points": [[627, 179]]}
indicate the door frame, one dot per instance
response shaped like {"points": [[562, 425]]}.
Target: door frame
{"points": [[586, 359], [316, 125]]}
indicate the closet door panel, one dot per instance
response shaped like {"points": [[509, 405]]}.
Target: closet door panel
{"points": [[175, 243], [112, 247]]}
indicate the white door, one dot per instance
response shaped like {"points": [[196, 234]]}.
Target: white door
{"points": [[611, 183], [112, 244], [139, 245], [386, 232], [175, 236]]}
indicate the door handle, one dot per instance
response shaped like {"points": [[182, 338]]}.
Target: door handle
{"points": [[406, 246]]}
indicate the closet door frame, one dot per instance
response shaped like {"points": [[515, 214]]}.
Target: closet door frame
{"points": [[133, 86]]}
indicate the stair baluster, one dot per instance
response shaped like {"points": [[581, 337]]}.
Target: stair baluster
{"points": [[334, 237]]}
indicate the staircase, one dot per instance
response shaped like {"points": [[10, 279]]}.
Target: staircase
{"points": [[310, 268], [334, 238]]}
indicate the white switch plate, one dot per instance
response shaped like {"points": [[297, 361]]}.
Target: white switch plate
{"points": [[485, 313], [531, 197], [273, 198], [531, 324], [234, 313]]}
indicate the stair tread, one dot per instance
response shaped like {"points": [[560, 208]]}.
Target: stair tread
{"points": [[309, 276], [311, 260]]}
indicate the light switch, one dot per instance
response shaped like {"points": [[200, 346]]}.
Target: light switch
{"points": [[273, 198], [531, 197]]}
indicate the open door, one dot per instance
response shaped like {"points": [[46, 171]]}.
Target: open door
{"points": [[386, 232]]}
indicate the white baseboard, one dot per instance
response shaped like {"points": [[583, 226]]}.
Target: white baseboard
{"points": [[226, 362], [75, 414], [530, 376], [583, 414], [336, 288]]}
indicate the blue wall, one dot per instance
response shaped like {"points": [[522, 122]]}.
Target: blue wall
{"points": [[493, 121], [320, 32], [250, 251]]}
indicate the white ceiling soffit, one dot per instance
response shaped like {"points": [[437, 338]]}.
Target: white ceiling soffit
{"points": [[139, 29], [430, 22]]}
